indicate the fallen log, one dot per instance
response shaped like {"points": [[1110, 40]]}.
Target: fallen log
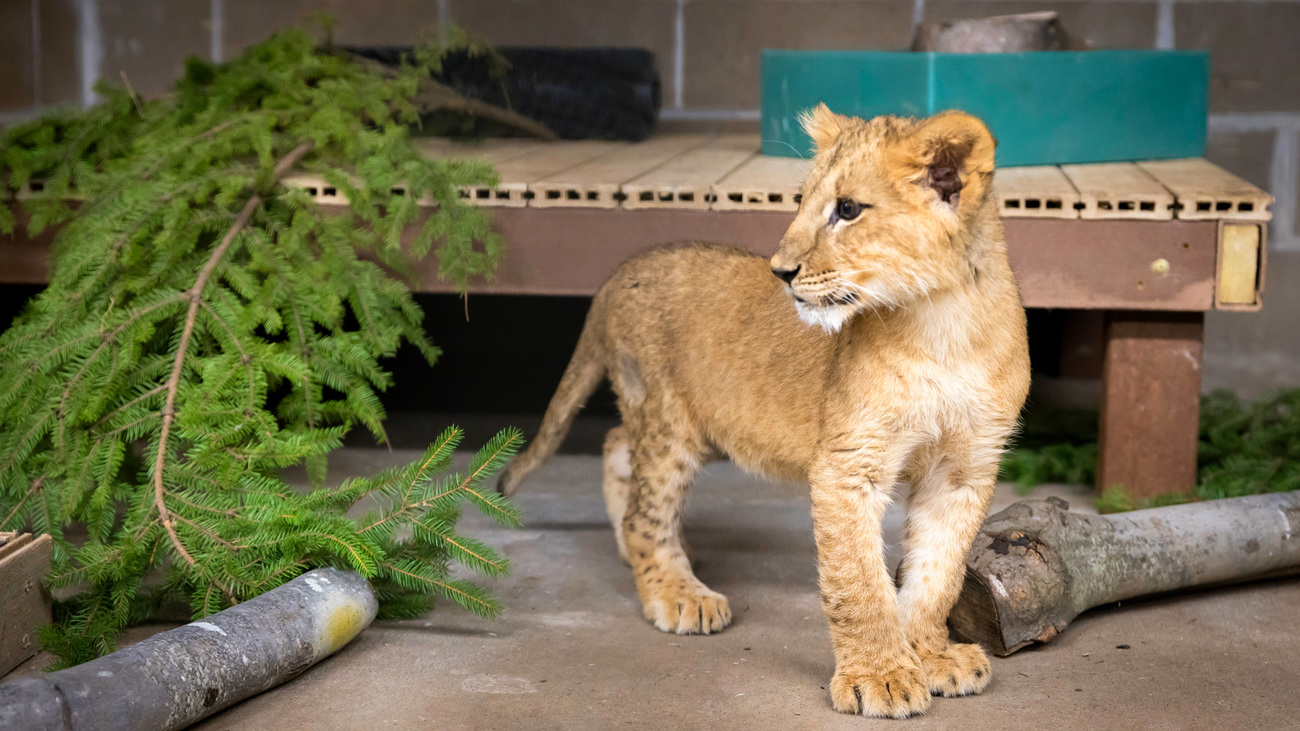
{"points": [[1036, 566], [182, 676]]}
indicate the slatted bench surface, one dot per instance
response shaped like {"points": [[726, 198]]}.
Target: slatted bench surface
{"points": [[727, 173]]}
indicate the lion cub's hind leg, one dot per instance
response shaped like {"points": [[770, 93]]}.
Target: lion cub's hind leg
{"points": [[665, 454], [618, 487], [618, 483]]}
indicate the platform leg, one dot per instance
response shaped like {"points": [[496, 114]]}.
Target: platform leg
{"points": [[1151, 402]]}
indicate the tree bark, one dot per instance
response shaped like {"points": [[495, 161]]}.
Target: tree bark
{"points": [[1035, 566], [177, 678]]}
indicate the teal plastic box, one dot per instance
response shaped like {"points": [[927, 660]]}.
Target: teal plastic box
{"points": [[1045, 108]]}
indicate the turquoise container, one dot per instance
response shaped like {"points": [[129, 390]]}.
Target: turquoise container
{"points": [[1045, 108]]}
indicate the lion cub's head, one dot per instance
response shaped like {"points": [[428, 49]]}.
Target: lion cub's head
{"points": [[887, 212]]}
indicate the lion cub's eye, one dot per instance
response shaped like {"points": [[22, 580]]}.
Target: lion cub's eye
{"points": [[847, 209]]}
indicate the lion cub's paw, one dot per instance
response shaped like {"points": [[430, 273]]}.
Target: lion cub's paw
{"points": [[956, 670], [896, 693], [689, 611]]}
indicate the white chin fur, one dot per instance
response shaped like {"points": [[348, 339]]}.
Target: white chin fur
{"points": [[830, 319]]}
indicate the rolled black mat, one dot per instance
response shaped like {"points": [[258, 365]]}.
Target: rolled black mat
{"points": [[580, 93]]}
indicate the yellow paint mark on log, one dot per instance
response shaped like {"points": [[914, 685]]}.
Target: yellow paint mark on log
{"points": [[345, 623]]}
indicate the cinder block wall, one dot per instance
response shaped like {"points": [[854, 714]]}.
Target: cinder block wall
{"points": [[53, 51]]}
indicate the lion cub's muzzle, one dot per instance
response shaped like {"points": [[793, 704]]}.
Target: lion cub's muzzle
{"points": [[787, 275]]}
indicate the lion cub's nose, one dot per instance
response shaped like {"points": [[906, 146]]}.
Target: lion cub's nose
{"points": [[786, 275]]}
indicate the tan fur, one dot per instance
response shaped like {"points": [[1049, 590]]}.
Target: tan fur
{"points": [[915, 377]]}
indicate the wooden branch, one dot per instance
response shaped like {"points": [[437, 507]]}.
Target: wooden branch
{"points": [[435, 96], [195, 294], [36, 485], [1035, 566]]}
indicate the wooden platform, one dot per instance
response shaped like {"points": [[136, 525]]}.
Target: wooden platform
{"points": [[1151, 246], [727, 173]]}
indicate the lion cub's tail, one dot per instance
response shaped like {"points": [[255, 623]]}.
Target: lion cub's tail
{"points": [[585, 372]]}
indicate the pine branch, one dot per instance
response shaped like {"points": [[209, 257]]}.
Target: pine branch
{"points": [[235, 332], [285, 164], [36, 485]]}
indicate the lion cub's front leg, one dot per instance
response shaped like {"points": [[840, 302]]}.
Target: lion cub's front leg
{"points": [[876, 672], [945, 509]]}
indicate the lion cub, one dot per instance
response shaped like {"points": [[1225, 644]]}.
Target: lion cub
{"points": [[888, 349]]}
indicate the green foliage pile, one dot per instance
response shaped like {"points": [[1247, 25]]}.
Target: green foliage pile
{"points": [[1251, 448], [206, 327], [1244, 449], [1053, 446]]}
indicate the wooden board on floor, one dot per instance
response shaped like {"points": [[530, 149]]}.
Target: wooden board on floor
{"points": [[686, 181], [24, 600], [1035, 192], [762, 183], [598, 183], [1119, 190], [1206, 191]]}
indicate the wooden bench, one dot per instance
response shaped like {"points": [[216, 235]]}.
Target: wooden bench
{"points": [[1152, 245]]}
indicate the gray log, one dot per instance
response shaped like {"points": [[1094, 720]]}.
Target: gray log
{"points": [[179, 677], [1000, 34], [1035, 566]]}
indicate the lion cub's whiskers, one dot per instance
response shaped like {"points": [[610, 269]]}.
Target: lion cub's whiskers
{"points": [[865, 293]]}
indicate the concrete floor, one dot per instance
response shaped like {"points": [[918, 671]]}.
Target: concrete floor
{"points": [[573, 652]]}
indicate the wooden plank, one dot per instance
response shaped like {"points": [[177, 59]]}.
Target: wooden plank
{"points": [[1082, 264], [1151, 399], [24, 600], [1092, 265], [24, 259], [598, 182], [518, 174], [1206, 191], [491, 151], [686, 181], [1035, 192], [1119, 190], [494, 152], [11, 542], [1240, 266], [763, 183], [1058, 263]]}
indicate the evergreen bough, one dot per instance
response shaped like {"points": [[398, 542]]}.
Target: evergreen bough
{"points": [[1244, 449], [206, 327]]}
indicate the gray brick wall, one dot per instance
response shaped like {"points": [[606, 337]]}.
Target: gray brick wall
{"points": [[52, 51]]}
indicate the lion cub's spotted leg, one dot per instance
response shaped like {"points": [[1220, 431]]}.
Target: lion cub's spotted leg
{"points": [[618, 487], [945, 510], [876, 672], [618, 483], [665, 458]]}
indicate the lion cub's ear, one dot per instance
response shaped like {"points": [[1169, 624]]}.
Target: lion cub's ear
{"points": [[952, 154], [822, 125]]}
